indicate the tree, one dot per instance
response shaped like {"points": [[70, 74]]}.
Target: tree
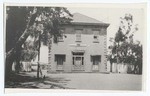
{"points": [[123, 47], [111, 52], [31, 20], [137, 53]]}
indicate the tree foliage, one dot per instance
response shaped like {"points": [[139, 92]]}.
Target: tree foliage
{"points": [[15, 25], [29, 50], [124, 49], [23, 22]]}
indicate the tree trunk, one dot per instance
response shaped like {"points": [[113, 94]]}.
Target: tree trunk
{"points": [[111, 65], [139, 64], [10, 55], [17, 59], [8, 66], [49, 52], [117, 58], [38, 66]]}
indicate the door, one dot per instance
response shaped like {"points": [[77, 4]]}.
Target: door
{"points": [[78, 63]]}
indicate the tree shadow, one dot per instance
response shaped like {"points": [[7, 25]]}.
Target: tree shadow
{"points": [[22, 80]]}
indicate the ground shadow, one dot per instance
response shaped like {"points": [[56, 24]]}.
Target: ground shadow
{"points": [[22, 80]]}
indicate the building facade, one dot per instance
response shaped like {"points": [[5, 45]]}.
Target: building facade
{"points": [[81, 48]]}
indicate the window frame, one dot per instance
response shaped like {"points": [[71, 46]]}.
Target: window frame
{"points": [[94, 57], [61, 38], [96, 33], [58, 56], [78, 35]]}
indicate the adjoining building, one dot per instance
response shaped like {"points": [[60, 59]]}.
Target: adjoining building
{"points": [[81, 48]]}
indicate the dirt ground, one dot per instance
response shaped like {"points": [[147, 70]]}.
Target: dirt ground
{"points": [[92, 81]]}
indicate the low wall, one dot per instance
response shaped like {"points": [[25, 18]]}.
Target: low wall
{"points": [[122, 68]]}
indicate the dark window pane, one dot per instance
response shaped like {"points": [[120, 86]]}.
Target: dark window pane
{"points": [[96, 59], [60, 59], [82, 60]]}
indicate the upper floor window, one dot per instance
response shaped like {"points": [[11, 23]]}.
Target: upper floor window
{"points": [[78, 35], [96, 36], [60, 38]]}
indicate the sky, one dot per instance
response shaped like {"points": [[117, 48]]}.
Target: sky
{"points": [[112, 16]]}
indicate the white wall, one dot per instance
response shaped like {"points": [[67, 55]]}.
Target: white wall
{"points": [[90, 48]]}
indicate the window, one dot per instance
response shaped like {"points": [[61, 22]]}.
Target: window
{"points": [[73, 60], [60, 38], [82, 60], [59, 59], [96, 35], [96, 59], [78, 35]]}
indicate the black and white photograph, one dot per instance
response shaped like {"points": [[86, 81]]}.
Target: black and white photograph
{"points": [[75, 47]]}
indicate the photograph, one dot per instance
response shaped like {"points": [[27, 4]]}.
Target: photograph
{"points": [[75, 47]]}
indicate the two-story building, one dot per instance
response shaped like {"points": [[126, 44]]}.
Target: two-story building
{"points": [[82, 47]]}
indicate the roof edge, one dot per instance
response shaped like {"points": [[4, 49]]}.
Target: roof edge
{"points": [[82, 23]]}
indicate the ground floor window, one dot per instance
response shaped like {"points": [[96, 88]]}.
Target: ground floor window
{"points": [[60, 59], [95, 59]]}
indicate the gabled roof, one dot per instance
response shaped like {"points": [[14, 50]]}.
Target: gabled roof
{"points": [[83, 19], [77, 17]]}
